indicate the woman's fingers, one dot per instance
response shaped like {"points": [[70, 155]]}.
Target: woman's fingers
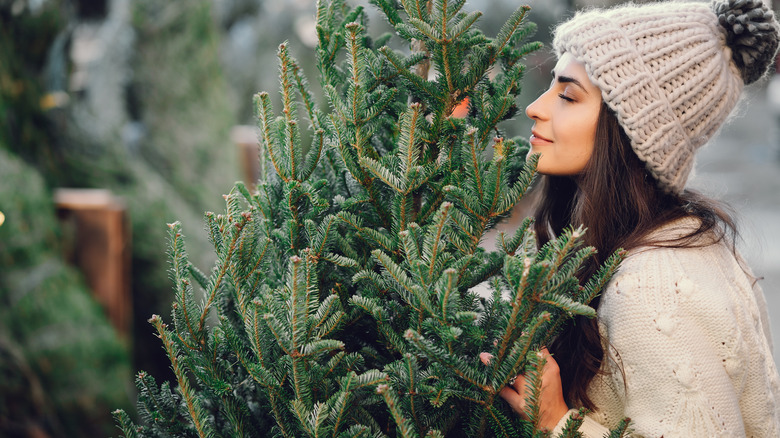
{"points": [[552, 406], [515, 400], [519, 384]]}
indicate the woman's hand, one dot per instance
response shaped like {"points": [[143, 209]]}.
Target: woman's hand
{"points": [[552, 406]]}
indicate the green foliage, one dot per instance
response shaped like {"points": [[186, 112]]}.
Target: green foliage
{"points": [[61, 361], [340, 304], [181, 90]]}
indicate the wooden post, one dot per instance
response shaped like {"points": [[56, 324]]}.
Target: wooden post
{"points": [[97, 236], [245, 137]]}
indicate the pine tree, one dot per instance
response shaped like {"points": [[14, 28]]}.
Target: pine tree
{"points": [[342, 287]]}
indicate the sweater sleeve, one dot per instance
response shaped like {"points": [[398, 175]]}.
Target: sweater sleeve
{"points": [[670, 334]]}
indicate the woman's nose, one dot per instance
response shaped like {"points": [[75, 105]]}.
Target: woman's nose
{"points": [[534, 110]]}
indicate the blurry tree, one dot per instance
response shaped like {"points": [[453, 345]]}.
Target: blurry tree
{"points": [[83, 111], [61, 362]]}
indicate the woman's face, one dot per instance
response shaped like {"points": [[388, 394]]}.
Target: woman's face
{"points": [[565, 119]]}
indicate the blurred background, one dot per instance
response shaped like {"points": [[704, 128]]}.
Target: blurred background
{"points": [[119, 116]]}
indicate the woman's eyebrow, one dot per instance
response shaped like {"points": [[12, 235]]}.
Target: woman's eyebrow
{"points": [[569, 80]]}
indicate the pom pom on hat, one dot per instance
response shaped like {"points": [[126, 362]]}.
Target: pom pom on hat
{"points": [[671, 71], [751, 33]]}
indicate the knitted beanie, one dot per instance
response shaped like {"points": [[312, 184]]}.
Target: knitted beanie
{"points": [[672, 71]]}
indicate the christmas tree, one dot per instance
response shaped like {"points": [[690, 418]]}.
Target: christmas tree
{"points": [[340, 304]]}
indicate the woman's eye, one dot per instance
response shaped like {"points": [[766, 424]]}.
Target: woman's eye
{"points": [[565, 97]]}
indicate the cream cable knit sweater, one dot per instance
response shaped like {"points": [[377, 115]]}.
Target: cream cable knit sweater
{"points": [[691, 334]]}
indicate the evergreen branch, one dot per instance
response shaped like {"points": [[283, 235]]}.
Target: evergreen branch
{"points": [[319, 241], [303, 415], [252, 325], [475, 159], [320, 413], [371, 276], [597, 282], [622, 429], [339, 408], [389, 10], [443, 357], [193, 403], [430, 205], [184, 295], [303, 90], [463, 222], [571, 265], [368, 379], [277, 412], [527, 48], [403, 424], [198, 275], [517, 304], [511, 365], [426, 29], [446, 293], [255, 268], [408, 141], [463, 25], [433, 238], [416, 9], [573, 423], [496, 115], [357, 79], [263, 376], [384, 241], [371, 307], [215, 285], [411, 249], [385, 98], [411, 370], [383, 173], [125, 423], [289, 111], [356, 431], [479, 63], [501, 425], [497, 172], [414, 296], [345, 152], [322, 346], [314, 155], [452, 96], [279, 332], [419, 83], [331, 325], [562, 301], [164, 410], [510, 246], [422, 177], [471, 205], [325, 309], [343, 360], [533, 385], [338, 105], [563, 245], [263, 112], [344, 262], [509, 28], [301, 380]]}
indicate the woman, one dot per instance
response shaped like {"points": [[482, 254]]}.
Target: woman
{"points": [[681, 344]]}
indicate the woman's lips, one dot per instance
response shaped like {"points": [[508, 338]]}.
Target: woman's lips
{"points": [[537, 139]]}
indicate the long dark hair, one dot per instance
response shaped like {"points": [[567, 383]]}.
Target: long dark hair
{"points": [[620, 203]]}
